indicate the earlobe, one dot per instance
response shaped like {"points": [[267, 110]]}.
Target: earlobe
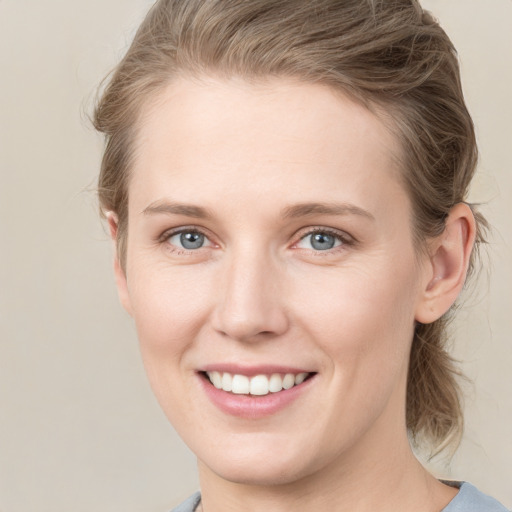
{"points": [[447, 265], [119, 272]]}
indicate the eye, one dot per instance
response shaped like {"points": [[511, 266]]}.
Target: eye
{"points": [[320, 241], [189, 240]]}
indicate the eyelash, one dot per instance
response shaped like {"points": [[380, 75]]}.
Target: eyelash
{"points": [[164, 239], [345, 239]]}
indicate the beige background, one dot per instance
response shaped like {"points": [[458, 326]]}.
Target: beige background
{"points": [[79, 428]]}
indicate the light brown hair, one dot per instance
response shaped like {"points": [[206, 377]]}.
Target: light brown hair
{"points": [[391, 55]]}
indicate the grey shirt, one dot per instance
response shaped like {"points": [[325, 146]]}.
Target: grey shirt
{"points": [[468, 499]]}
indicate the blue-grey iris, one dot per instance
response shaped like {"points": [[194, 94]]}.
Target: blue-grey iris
{"points": [[191, 240], [322, 241]]}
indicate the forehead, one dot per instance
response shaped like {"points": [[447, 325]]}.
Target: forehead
{"points": [[296, 138]]}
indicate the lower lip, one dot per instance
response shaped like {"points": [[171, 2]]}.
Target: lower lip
{"points": [[253, 406]]}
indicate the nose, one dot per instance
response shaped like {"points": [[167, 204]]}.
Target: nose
{"points": [[250, 301]]}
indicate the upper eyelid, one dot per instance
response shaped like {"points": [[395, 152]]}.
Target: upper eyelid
{"points": [[183, 229], [342, 235], [163, 239]]}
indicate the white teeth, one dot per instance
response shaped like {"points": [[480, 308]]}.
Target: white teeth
{"points": [[275, 383], [216, 379], [288, 381], [300, 378], [258, 385], [240, 385], [227, 382]]}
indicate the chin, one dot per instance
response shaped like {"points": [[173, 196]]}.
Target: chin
{"points": [[262, 464], [262, 472]]}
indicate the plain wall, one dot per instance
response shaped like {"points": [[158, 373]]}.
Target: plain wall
{"points": [[79, 427]]}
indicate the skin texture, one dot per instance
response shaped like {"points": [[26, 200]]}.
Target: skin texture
{"points": [[257, 292]]}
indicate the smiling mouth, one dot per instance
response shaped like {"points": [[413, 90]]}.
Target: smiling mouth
{"points": [[258, 385]]}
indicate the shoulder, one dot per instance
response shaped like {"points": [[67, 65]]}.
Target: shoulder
{"points": [[190, 504], [470, 499]]}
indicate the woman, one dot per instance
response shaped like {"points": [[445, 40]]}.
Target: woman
{"points": [[285, 183]]}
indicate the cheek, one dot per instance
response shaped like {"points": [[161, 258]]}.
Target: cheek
{"points": [[169, 308], [364, 317], [168, 302]]}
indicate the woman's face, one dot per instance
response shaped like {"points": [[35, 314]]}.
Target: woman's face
{"points": [[269, 235]]}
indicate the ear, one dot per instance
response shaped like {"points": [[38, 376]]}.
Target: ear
{"points": [[447, 264], [119, 272]]}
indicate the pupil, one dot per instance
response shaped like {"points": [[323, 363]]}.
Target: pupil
{"points": [[322, 241], [191, 240]]}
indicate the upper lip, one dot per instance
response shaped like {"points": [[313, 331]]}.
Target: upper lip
{"points": [[252, 370]]}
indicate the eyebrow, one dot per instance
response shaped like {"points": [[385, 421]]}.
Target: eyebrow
{"points": [[310, 209], [188, 210], [290, 212]]}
